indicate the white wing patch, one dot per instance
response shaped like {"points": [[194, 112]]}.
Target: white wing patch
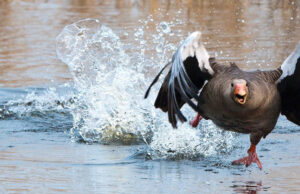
{"points": [[192, 46], [289, 65], [180, 83]]}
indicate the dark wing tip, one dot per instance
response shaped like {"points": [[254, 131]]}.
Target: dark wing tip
{"points": [[155, 80], [147, 93]]}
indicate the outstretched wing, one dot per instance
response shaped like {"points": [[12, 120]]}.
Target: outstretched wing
{"points": [[190, 68], [289, 86]]}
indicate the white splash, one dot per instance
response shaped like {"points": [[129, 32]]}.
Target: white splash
{"points": [[42, 101], [107, 82], [109, 106]]}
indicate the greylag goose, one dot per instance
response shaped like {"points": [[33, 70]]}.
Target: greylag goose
{"points": [[242, 101]]}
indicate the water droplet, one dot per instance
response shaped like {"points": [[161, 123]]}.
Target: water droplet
{"points": [[159, 48], [165, 27], [139, 33], [142, 42]]}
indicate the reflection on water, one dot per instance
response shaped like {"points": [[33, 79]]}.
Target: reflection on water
{"points": [[247, 187], [37, 153]]}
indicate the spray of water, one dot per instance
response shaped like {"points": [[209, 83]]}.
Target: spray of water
{"points": [[111, 83], [108, 86], [106, 98], [39, 102]]}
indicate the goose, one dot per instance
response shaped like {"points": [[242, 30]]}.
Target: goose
{"points": [[248, 102]]}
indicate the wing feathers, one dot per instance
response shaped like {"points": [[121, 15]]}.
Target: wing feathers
{"points": [[155, 80], [289, 65], [289, 87], [190, 68]]}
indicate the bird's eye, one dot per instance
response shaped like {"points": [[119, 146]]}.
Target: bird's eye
{"points": [[231, 84], [247, 85]]}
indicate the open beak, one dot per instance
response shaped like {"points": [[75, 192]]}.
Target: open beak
{"points": [[240, 93]]}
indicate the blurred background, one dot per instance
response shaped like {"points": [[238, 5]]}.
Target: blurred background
{"points": [[256, 33]]}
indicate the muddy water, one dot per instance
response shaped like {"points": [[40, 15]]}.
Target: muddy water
{"points": [[45, 145]]}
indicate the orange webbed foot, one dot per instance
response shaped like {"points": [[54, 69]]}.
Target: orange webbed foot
{"points": [[251, 158]]}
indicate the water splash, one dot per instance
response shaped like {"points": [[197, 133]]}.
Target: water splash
{"points": [[38, 109], [39, 102], [111, 82], [107, 83]]}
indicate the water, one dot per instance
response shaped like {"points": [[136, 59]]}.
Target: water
{"points": [[74, 119]]}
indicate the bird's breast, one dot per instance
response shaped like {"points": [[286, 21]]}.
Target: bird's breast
{"points": [[242, 118]]}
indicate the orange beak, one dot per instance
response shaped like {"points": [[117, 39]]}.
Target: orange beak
{"points": [[240, 93]]}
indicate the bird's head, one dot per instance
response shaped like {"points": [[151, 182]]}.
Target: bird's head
{"points": [[239, 91]]}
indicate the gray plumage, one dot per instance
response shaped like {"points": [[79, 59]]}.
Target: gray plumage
{"points": [[253, 109]]}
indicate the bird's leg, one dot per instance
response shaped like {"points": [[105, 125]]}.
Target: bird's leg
{"points": [[252, 156], [196, 120]]}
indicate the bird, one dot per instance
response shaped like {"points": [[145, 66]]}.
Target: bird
{"points": [[247, 102]]}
